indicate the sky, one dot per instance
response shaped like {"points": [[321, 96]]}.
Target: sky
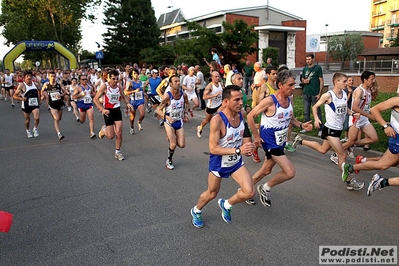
{"points": [[340, 15]]}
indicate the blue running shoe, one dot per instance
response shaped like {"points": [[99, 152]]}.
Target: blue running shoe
{"points": [[197, 219], [225, 213]]}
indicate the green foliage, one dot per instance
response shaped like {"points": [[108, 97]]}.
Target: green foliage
{"points": [[238, 41], [187, 59], [273, 53], [57, 20], [131, 27], [395, 42], [345, 47]]}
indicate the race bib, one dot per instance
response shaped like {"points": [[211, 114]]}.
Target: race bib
{"points": [[281, 136], [87, 99], [367, 108], [341, 110], [230, 160], [218, 98], [114, 98], [138, 95], [55, 96], [176, 114], [33, 102]]}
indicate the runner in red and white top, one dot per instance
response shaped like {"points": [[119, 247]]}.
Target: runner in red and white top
{"points": [[110, 108]]}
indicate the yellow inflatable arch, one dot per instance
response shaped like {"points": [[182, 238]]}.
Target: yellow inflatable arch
{"points": [[23, 46]]}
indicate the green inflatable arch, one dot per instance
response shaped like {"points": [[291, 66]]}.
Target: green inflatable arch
{"points": [[23, 46]]}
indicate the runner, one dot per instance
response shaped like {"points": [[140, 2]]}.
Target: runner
{"points": [[29, 95], [83, 95], [112, 93], [213, 93], [225, 145], [277, 114], [54, 93], [134, 90], [176, 105], [335, 106]]}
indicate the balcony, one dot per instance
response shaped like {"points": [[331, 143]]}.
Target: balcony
{"points": [[376, 2], [379, 13], [376, 27], [390, 36], [393, 8], [393, 22]]}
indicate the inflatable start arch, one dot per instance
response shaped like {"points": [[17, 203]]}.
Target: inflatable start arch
{"points": [[34, 46]]}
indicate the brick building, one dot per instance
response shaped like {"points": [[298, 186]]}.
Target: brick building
{"points": [[275, 27]]}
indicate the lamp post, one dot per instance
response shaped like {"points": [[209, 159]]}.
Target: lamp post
{"points": [[327, 65]]}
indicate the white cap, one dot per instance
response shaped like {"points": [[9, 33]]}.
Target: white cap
{"points": [[98, 69]]}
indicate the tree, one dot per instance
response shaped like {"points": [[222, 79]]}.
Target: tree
{"points": [[395, 42], [56, 20], [239, 40], [345, 47], [131, 27]]}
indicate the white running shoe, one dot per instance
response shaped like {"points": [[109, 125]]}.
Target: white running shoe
{"points": [[29, 134], [334, 158], [35, 132]]}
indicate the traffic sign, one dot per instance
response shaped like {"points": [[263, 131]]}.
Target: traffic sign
{"points": [[99, 55]]}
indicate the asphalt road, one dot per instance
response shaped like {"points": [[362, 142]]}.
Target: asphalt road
{"points": [[74, 204]]}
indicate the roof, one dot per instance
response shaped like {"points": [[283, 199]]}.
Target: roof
{"points": [[166, 20], [380, 51], [236, 10], [170, 18]]}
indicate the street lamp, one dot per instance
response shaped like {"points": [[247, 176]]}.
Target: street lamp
{"points": [[327, 65]]}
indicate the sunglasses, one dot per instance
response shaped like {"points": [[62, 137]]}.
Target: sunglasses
{"points": [[83, 79]]}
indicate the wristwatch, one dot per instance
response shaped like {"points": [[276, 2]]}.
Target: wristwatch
{"points": [[385, 126], [238, 151]]}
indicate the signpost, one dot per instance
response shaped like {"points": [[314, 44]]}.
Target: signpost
{"points": [[99, 56]]}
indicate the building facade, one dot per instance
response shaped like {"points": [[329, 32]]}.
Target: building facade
{"points": [[384, 19], [275, 28]]}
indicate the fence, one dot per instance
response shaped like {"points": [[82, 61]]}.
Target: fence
{"points": [[380, 66]]}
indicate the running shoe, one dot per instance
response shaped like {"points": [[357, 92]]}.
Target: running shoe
{"points": [[344, 140], [255, 156], [140, 126], [191, 112], [359, 159], [12, 105], [101, 133], [297, 141], [354, 185], [119, 156], [197, 219], [334, 158], [78, 119], [289, 148], [5, 99], [199, 131], [264, 196], [169, 164], [374, 184], [250, 202], [131, 131], [226, 216], [92, 135], [29, 134], [60, 136], [161, 122], [345, 171], [350, 152], [35, 132], [69, 109]]}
